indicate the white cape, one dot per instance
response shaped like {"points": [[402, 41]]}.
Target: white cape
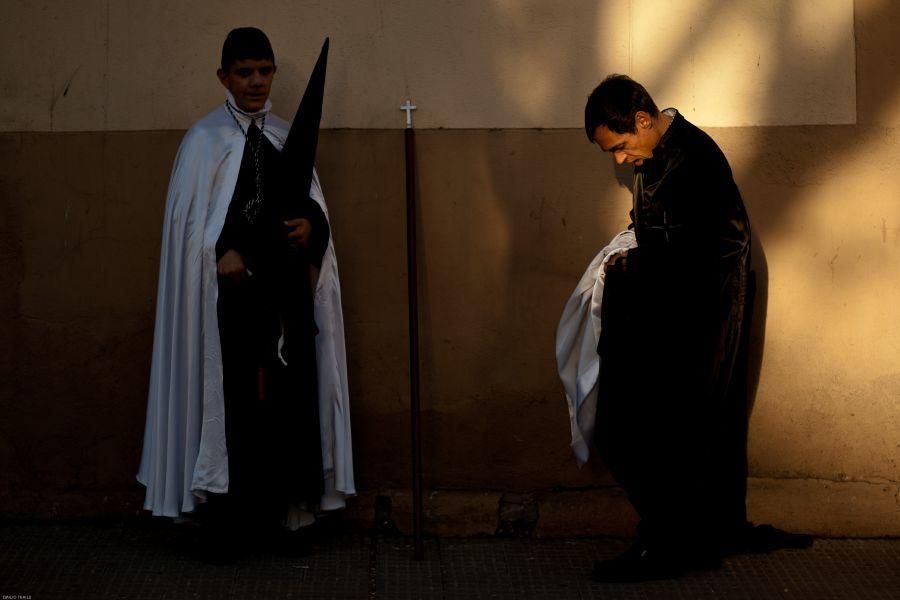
{"points": [[577, 337], [184, 453]]}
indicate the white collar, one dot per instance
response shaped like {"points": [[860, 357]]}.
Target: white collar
{"points": [[245, 117]]}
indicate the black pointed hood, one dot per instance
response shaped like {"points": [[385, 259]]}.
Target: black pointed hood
{"points": [[299, 152]]}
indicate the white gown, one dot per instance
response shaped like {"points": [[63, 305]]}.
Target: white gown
{"points": [[577, 337], [184, 453]]}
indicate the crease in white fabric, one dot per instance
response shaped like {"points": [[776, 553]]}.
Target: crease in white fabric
{"points": [[577, 336]]}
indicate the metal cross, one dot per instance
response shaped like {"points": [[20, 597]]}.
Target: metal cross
{"points": [[408, 107]]}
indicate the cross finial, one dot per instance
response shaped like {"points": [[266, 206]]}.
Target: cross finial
{"points": [[408, 107]]}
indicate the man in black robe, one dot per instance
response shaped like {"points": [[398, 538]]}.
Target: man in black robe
{"points": [[672, 408], [266, 314]]}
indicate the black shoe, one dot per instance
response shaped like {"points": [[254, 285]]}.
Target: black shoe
{"points": [[215, 548], [294, 543], [761, 539], [635, 565], [640, 563]]}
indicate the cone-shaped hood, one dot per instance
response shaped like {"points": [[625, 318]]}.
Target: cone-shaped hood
{"points": [[299, 152]]}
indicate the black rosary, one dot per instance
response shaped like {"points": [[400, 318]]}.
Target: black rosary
{"points": [[251, 209]]}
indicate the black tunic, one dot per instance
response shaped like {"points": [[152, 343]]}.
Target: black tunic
{"points": [[271, 408], [672, 407]]}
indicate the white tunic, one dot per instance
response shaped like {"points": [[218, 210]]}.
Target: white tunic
{"points": [[184, 453], [577, 337]]}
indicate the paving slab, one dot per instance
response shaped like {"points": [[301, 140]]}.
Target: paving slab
{"points": [[125, 561]]}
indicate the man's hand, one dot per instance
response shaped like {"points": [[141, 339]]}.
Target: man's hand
{"points": [[231, 265], [618, 261], [299, 232]]}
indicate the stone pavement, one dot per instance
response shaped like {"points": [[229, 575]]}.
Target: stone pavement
{"points": [[137, 561]]}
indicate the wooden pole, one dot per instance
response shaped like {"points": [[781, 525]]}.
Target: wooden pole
{"points": [[413, 302]]}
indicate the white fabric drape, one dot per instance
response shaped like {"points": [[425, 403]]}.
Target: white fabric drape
{"points": [[576, 346]]}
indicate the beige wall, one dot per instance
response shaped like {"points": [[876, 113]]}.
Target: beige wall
{"points": [[509, 219], [131, 65]]}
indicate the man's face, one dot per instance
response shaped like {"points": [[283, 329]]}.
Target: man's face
{"points": [[249, 81], [630, 148]]}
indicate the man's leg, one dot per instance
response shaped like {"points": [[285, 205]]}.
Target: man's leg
{"points": [[649, 435], [225, 515], [295, 418]]}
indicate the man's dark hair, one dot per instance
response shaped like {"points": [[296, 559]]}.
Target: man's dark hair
{"points": [[243, 43], [614, 103]]}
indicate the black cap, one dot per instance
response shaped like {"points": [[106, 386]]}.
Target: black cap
{"points": [[243, 43]]}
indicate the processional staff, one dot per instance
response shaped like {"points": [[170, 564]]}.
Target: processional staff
{"points": [[413, 301]]}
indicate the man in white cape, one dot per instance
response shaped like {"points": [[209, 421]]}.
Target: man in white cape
{"points": [[185, 456]]}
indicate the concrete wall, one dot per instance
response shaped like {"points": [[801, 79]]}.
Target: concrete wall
{"points": [[509, 219], [132, 65]]}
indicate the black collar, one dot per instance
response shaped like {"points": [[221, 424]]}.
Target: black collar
{"points": [[670, 134]]}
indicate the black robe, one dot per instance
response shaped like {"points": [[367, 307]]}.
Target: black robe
{"points": [[672, 404], [271, 409]]}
